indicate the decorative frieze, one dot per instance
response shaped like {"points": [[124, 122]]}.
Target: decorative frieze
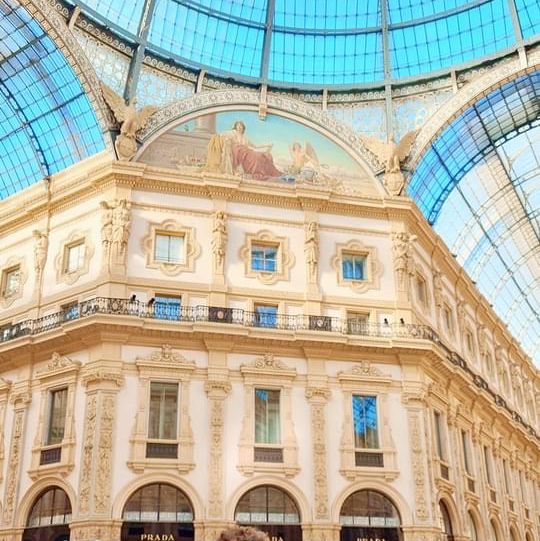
{"points": [[217, 391], [418, 461]]}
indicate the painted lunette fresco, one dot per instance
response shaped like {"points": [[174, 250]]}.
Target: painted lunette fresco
{"points": [[238, 143]]}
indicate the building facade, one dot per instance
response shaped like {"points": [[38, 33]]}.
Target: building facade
{"points": [[228, 309], [183, 349]]}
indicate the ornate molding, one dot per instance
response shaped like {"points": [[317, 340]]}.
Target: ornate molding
{"points": [[374, 267], [57, 364], [418, 461], [284, 259], [192, 249], [364, 371], [15, 452], [69, 278], [115, 230], [14, 262]]}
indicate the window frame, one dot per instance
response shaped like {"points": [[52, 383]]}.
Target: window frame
{"points": [[47, 436], [170, 235], [265, 246], [13, 263], [440, 434], [377, 443], [268, 373], [354, 255], [76, 238], [68, 248], [271, 444], [191, 248], [58, 374], [262, 323], [373, 268], [163, 366], [178, 405], [284, 257]]}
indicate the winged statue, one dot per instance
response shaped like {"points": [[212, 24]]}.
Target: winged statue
{"points": [[391, 154], [130, 119]]}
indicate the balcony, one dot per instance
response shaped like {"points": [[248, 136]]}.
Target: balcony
{"points": [[235, 316]]}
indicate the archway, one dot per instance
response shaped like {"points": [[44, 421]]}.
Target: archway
{"points": [[368, 514], [473, 530], [446, 522], [157, 512], [49, 517], [272, 510]]}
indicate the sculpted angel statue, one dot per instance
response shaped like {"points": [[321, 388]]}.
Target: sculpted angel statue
{"points": [[391, 155], [130, 119]]}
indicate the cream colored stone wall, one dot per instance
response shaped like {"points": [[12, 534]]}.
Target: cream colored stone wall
{"points": [[109, 359]]}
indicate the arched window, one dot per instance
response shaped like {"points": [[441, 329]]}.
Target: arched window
{"points": [[513, 534], [266, 505], [472, 528], [158, 503], [52, 508], [369, 508], [448, 532]]}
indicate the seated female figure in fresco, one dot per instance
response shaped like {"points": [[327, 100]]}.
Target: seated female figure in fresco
{"points": [[232, 153]]}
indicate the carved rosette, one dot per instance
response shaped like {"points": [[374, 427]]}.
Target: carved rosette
{"points": [[217, 391], [318, 397]]}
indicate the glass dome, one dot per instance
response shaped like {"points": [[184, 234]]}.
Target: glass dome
{"points": [[327, 43]]}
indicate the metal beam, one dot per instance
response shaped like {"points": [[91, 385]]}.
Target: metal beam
{"points": [[515, 21], [137, 59], [268, 27], [387, 70]]}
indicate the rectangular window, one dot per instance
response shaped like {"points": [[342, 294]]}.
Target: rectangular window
{"points": [[74, 259], [57, 416], [439, 435], [70, 311], [11, 281], [169, 248], [265, 315], [353, 266], [489, 466], [506, 475], [469, 342], [267, 421], [264, 257], [448, 320], [163, 417], [421, 290], [466, 447], [365, 426], [166, 307], [357, 323]]}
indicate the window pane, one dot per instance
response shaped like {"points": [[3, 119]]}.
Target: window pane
{"points": [[353, 267], [167, 307], [365, 422], [265, 316], [57, 417], [169, 248], [439, 435], [163, 418], [12, 282], [263, 258], [75, 257], [267, 422]]}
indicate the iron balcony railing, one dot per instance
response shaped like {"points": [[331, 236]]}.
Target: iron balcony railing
{"points": [[212, 314], [235, 316]]}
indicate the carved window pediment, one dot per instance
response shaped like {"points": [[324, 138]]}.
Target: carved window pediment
{"points": [[268, 373], [165, 367], [59, 374]]}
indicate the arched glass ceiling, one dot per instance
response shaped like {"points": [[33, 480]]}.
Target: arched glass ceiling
{"points": [[479, 185], [46, 120], [321, 43]]}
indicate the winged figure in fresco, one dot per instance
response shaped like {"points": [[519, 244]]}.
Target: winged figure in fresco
{"points": [[305, 161], [391, 154], [130, 119]]}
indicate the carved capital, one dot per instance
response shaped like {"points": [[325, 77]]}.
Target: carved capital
{"points": [[217, 389], [318, 394]]}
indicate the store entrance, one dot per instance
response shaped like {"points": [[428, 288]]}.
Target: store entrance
{"points": [[158, 512]]}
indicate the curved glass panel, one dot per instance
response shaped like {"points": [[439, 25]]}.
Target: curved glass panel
{"points": [[158, 502], [52, 508], [483, 199], [452, 39], [323, 43], [368, 508], [46, 120], [266, 505]]}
